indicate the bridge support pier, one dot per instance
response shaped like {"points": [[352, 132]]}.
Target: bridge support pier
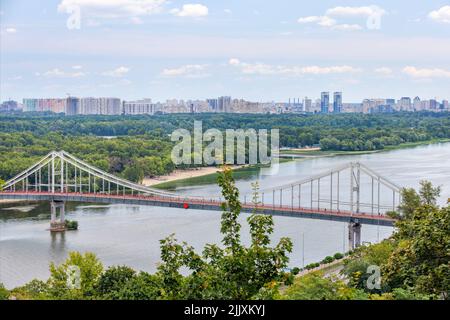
{"points": [[354, 234], [57, 225]]}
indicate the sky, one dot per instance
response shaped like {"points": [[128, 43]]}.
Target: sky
{"points": [[257, 50]]}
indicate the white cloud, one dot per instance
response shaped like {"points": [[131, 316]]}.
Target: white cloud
{"points": [[191, 10], [385, 71], [118, 72], [11, 30], [190, 70], [228, 11], [347, 27], [113, 8], [323, 21], [441, 15], [77, 67], [234, 62], [328, 20], [426, 73], [365, 11], [267, 69], [57, 73]]}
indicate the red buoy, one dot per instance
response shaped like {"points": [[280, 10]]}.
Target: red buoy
{"points": [[186, 206]]}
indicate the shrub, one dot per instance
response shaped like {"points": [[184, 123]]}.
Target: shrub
{"points": [[295, 271], [4, 294], [327, 260], [71, 225], [312, 265], [338, 256]]}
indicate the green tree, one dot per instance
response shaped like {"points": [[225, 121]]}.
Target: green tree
{"points": [[143, 286], [4, 294], [314, 286], [66, 283], [134, 173], [33, 290], [355, 268], [113, 280], [231, 272], [421, 259]]}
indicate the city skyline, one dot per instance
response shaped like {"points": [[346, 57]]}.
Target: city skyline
{"points": [[224, 104], [260, 51]]}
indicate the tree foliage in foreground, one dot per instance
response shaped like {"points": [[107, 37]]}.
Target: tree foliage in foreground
{"points": [[233, 271], [421, 259]]}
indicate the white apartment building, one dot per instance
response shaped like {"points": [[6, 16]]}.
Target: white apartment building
{"points": [[144, 106]]}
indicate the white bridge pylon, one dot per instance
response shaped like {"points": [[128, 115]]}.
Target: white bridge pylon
{"points": [[61, 172], [353, 187]]}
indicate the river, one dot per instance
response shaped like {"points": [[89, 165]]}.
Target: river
{"points": [[129, 235]]}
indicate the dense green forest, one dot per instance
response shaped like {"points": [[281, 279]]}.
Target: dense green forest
{"points": [[414, 263], [142, 145]]}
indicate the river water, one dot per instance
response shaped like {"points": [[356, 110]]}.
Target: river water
{"points": [[129, 235]]}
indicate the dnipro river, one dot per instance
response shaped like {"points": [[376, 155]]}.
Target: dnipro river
{"points": [[129, 235]]}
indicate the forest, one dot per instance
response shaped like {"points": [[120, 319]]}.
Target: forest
{"points": [[138, 146]]}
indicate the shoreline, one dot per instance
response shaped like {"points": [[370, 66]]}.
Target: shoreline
{"points": [[297, 155], [184, 174]]}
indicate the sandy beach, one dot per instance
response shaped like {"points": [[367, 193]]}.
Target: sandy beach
{"points": [[10, 201], [182, 174]]}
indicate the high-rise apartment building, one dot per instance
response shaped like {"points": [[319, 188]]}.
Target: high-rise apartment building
{"points": [[72, 106], [29, 105], [213, 103], [106, 106], [224, 104], [337, 102], [144, 106], [307, 105], [404, 104], [324, 102]]}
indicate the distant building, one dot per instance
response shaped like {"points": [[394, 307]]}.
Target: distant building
{"points": [[369, 105], [352, 107], [381, 108], [144, 106], [417, 104], [105, 106], [56, 105], [224, 104], [324, 102], [30, 105], [337, 102], [434, 104], [8, 106], [72, 106], [404, 104], [307, 105], [213, 104]]}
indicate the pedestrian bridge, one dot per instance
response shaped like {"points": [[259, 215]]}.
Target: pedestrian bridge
{"points": [[352, 192]]}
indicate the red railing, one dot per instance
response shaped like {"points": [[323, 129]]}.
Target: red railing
{"points": [[210, 202]]}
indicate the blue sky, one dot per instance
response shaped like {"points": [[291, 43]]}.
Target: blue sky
{"points": [[252, 49]]}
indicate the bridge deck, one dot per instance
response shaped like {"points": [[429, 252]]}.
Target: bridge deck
{"points": [[322, 214]]}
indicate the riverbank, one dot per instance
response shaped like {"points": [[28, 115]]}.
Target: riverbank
{"points": [[208, 175], [180, 175], [316, 153], [202, 177]]}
